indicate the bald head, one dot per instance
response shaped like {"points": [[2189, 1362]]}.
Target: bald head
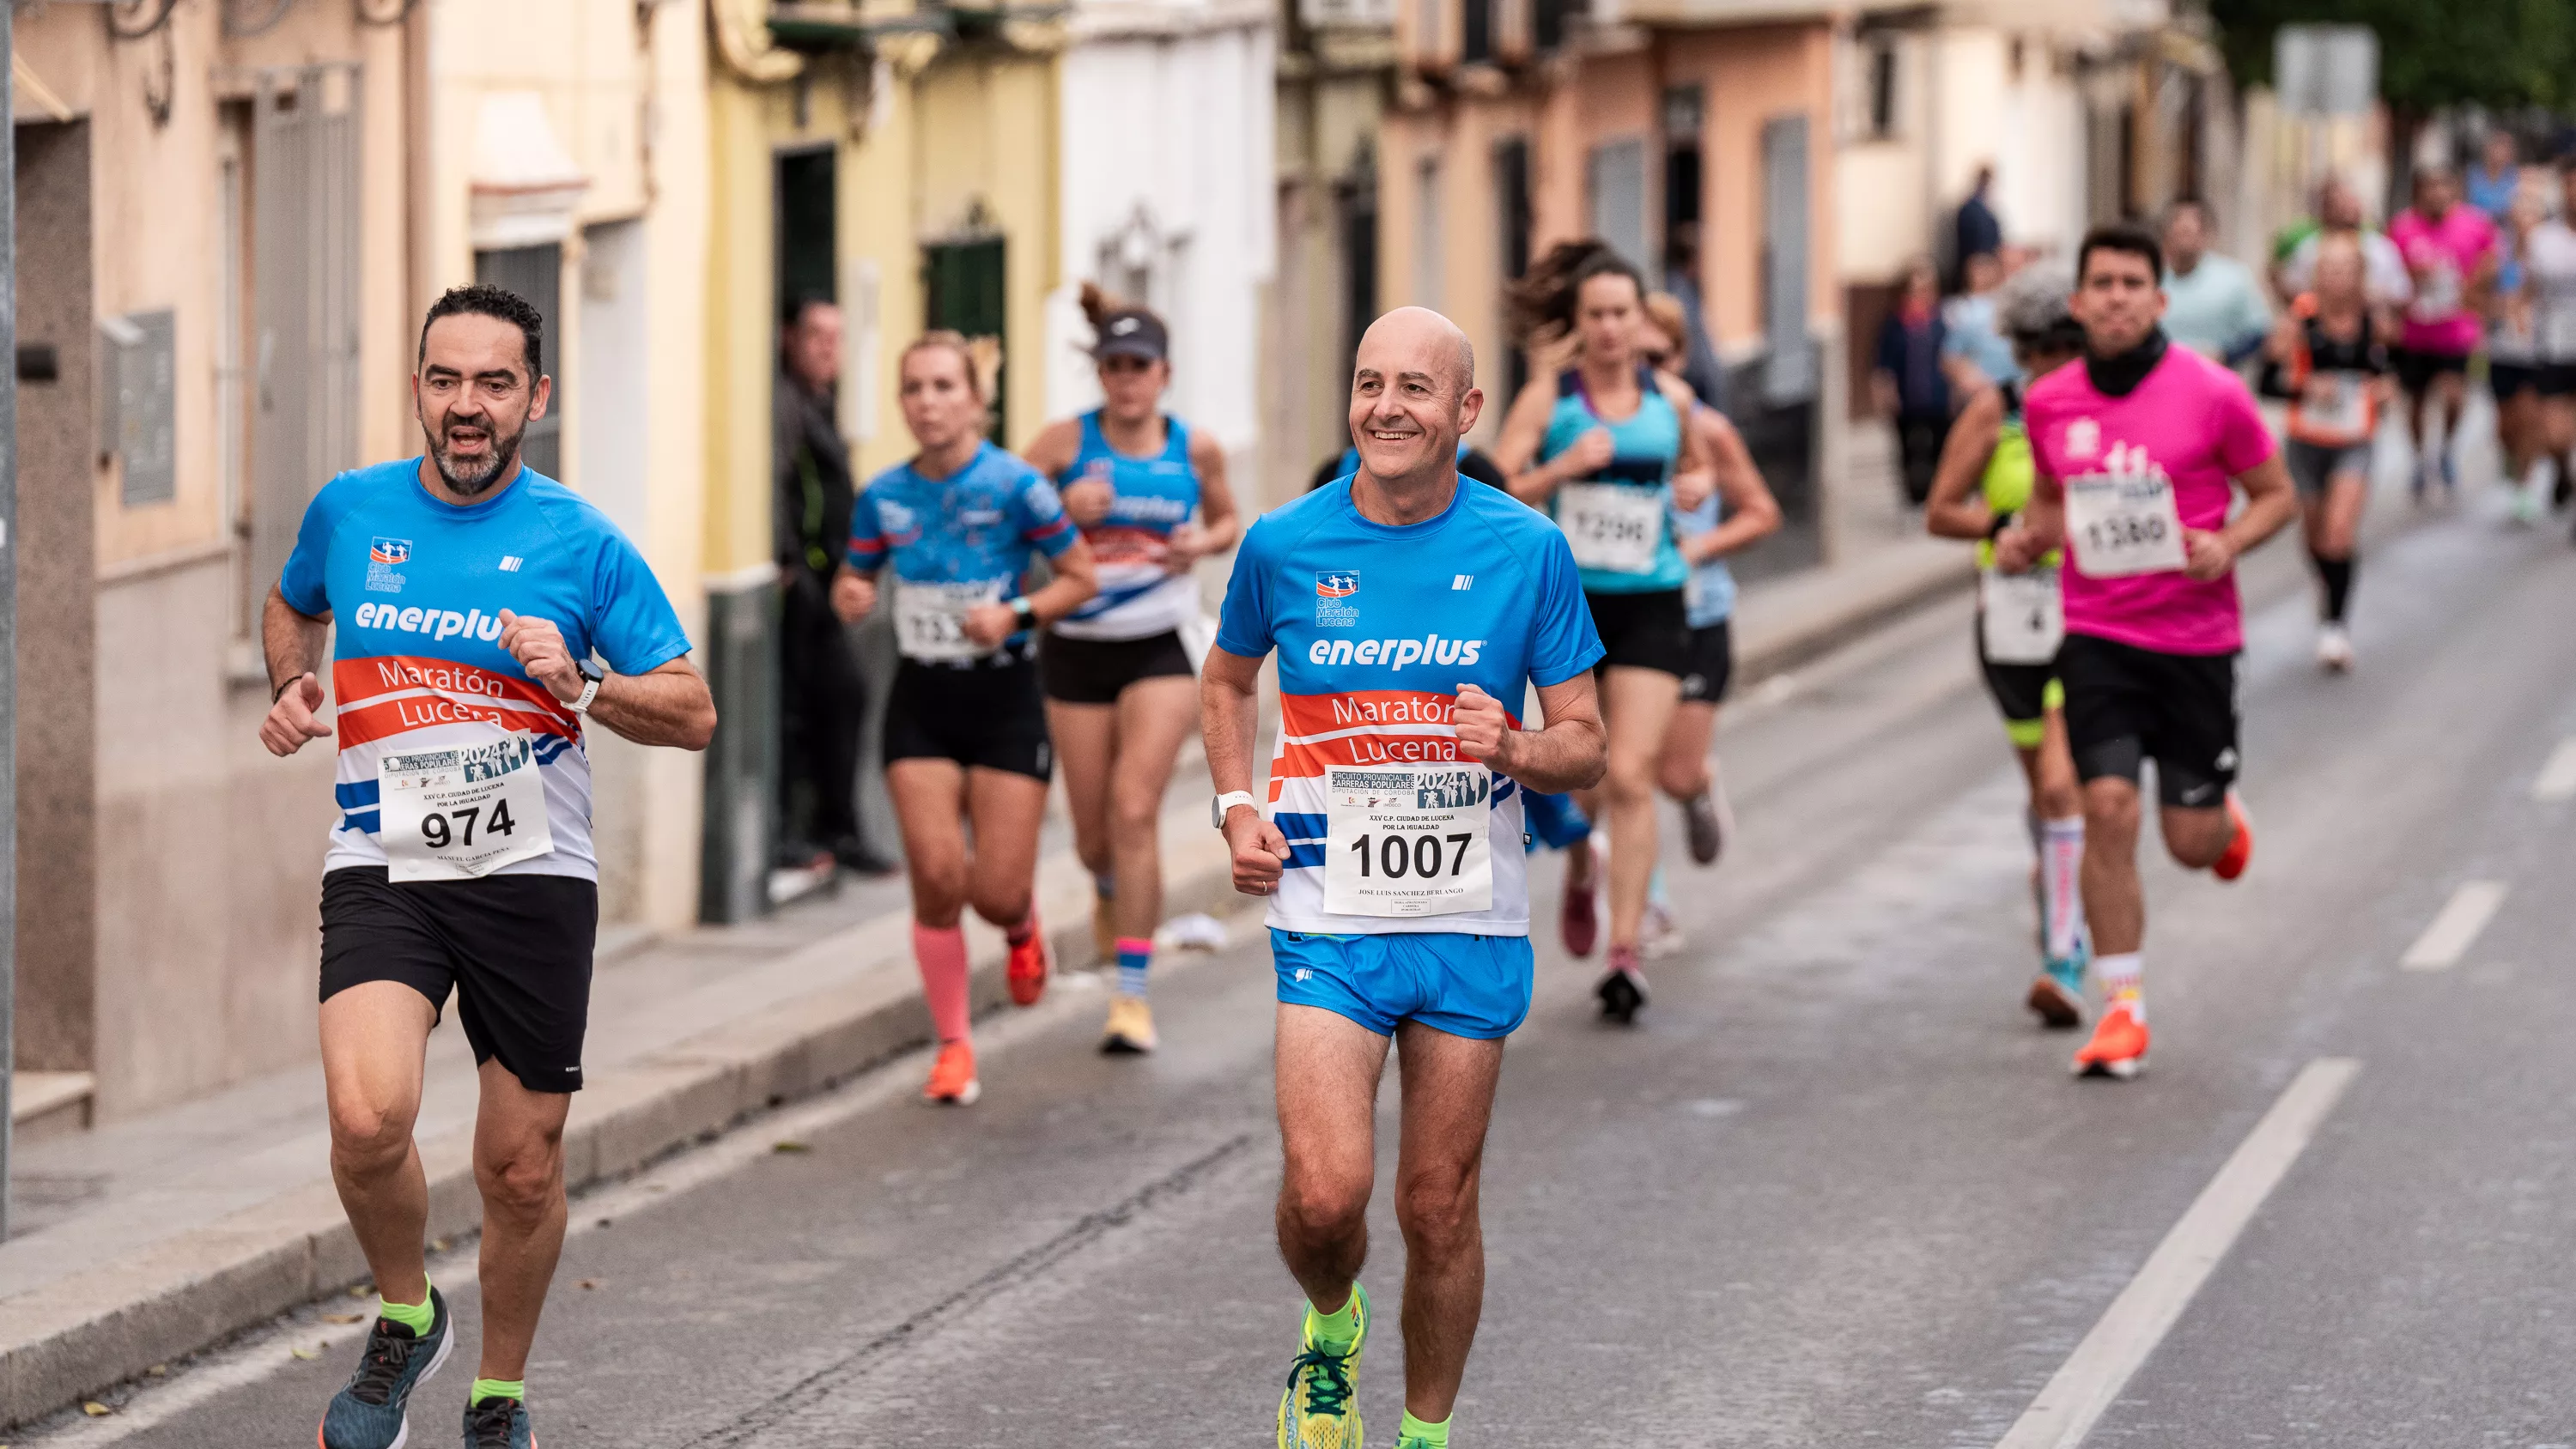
{"points": [[1421, 339], [1413, 395]]}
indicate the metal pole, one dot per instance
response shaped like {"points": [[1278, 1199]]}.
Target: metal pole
{"points": [[8, 599]]}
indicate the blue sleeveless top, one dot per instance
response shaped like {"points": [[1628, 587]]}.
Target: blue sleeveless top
{"points": [[1139, 596], [1709, 595], [1645, 447]]}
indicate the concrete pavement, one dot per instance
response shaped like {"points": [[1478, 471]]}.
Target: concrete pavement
{"points": [[1835, 1190]]}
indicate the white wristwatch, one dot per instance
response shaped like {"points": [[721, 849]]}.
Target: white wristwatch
{"points": [[1218, 808], [590, 679]]}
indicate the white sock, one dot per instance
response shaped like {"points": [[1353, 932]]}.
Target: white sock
{"points": [[2061, 860], [2121, 975]]}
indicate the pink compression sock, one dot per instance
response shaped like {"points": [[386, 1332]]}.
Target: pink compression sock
{"points": [[942, 956]]}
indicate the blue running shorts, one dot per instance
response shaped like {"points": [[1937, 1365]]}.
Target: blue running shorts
{"points": [[1468, 986]]}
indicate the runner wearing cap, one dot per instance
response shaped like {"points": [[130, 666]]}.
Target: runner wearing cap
{"points": [[2135, 450], [962, 524], [1985, 480], [469, 596], [1150, 497], [1410, 614]]}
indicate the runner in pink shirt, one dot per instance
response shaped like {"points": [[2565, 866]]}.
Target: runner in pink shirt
{"points": [[2452, 254], [2136, 449]]}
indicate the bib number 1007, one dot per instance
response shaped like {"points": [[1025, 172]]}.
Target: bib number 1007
{"points": [[1408, 841]]}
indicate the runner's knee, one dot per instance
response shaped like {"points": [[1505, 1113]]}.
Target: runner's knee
{"points": [[367, 1138], [1133, 814], [1004, 903], [1323, 1206], [524, 1179], [1436, 1210], [1630, 780]]}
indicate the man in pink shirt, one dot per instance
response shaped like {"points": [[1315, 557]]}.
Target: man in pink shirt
{"points": [[2136, 448], [2451, 254]]}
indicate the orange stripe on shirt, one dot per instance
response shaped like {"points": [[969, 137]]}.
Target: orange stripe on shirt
{"points": [[1317, 714], [393, 694]]}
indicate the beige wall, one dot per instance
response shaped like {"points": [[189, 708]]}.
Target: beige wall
{"points": [[1751, 77]]}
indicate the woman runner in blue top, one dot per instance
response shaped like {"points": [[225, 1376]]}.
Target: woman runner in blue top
{"points": [[1739, 511], [961, 524], [1603, 450], [1121, 690]]}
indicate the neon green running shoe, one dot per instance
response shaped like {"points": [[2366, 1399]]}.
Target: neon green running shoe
{"points": [[1319, 1410]]}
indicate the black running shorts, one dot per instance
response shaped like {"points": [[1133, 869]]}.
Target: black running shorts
{"points": [[1643, 631], [516, 949], [1097, 671], [982, 715], [1712, 663], [2416, 369], [2125, 705]]}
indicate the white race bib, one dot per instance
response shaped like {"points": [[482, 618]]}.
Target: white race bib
{"points": [[2336, 402], [930, 619], [2123, 524], [2023, 615], [461, 811], [2437, 292], [1613, 528], [1408, 840]]}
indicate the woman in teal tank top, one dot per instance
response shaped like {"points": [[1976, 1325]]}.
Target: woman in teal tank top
{"points": [[1602, 448], [1985, 476]]}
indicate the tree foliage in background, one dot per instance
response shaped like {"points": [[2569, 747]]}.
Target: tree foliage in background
{"points": [[2432, 53]]}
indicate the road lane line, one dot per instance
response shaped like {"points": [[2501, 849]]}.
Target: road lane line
{"points": [[2557, 780], [2091, 1379], [2455, 927]]}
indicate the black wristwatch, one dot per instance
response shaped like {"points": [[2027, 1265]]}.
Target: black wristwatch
{"points": [[1024, 612]]}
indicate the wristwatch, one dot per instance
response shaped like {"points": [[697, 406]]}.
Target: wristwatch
{"points": [[590, 680], [1218, 807], [1024, 612]]}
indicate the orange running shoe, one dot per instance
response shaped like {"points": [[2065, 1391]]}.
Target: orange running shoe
{"points": [[1029, 966], [2119, 1045], [952, 1077], [2240, 851]]}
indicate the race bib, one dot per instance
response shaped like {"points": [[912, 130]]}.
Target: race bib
{"points": [[462, 811], [2336, 402], [1408, 840], [930, 619], [2123, 524], [2023, 615], [2437, 293], [1613, 528]]}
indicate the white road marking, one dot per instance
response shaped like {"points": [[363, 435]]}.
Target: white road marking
{"points": [[2455, 928], [2557, 780], [2091, 1379]]}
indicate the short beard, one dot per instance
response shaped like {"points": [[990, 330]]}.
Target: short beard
{"points": [[504, 460]]}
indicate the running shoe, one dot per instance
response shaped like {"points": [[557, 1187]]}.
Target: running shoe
{"points": [[1659, 935], [2057, 994], [1131, 1027], [2526, 506], [1029, 965], [2334, 649], [1623, 991], [499, 1424], [1579, 921], [952, 1077], [1319, 1410], [2450, 471], [1707, 832], [2119, 1045], [372, 1410], [2239, 854]]}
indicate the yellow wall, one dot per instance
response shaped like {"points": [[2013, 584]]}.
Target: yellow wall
{"points": [[987, 134]]}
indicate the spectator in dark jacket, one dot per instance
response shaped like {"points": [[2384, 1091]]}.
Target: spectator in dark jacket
{"points": [[823, 698], [1906, 381], [1977, 231]]}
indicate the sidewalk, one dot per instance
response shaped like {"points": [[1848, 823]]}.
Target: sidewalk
{"points": [[148, 1239]]}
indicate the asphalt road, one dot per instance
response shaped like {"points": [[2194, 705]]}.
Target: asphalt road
{"points": [[1836, 1188]]}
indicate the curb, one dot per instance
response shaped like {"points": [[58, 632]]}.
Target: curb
{"points": [[191, 1292]]}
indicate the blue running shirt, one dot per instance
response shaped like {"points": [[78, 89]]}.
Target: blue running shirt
{"points": [[973, 534], [417, 586], [1139, 594], [1646, 446], [1376, 626]]}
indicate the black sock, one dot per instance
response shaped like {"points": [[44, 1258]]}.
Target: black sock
{"points": [[2337, 575]]}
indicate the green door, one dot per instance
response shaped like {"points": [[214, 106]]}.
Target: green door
{"points": [[964, 283]]}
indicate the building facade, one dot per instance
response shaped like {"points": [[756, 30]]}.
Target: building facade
{"points": [[233, 229]]}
